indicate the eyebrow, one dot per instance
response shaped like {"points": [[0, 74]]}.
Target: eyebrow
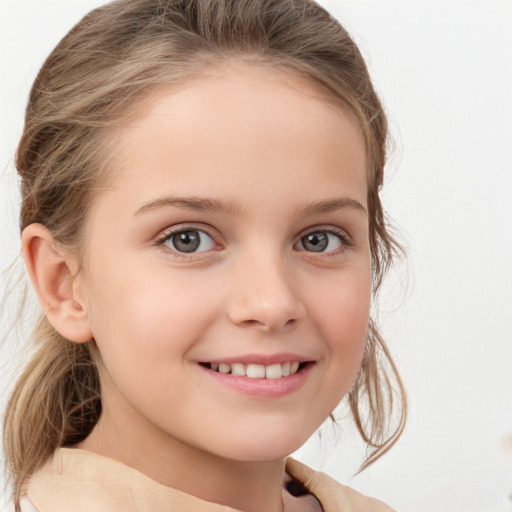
{"points": [[205, 204], [331, 205], [199, 204]]}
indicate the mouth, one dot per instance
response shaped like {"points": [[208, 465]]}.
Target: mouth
{"points": [[258, 371]]}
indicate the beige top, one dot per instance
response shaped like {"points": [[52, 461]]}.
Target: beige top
{"points": [[82, 481]]}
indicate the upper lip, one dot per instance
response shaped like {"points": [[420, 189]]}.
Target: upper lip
{"points": [[263, 359]]}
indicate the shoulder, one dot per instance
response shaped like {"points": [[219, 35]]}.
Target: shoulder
{"points": [[83, 482], [78, 480], [332, 495]]}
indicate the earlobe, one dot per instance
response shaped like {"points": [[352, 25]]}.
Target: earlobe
{"points": [[51, 273]]}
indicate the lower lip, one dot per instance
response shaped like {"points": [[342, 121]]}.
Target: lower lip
{"points": [[262, 388]]}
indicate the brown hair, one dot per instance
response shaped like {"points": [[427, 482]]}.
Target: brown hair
{"points": [[114, 56]]}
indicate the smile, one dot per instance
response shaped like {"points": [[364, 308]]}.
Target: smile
{"points": [[260, 377], [257, 371]]}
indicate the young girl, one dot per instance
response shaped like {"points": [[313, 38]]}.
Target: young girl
{"points": [[201, 223]]}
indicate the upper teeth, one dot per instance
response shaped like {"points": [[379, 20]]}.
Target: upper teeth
{"points": [[257, 371]]}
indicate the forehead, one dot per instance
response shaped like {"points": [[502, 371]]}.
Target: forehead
{"points": [[254, 125]]}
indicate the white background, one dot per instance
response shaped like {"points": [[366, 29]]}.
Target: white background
{"points": [[444, 71]]}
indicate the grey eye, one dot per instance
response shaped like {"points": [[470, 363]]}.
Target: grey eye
{"points": [[320, 241], [190, 241]]}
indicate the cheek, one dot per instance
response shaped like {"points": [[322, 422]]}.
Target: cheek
{"points": [[344, 308], [342, 314], [339, 310], [148, 315], [143, 330]]}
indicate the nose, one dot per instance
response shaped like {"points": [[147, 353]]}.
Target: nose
{"points": [[265, 295]]}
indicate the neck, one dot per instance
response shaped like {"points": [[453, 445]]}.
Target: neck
{"points": [[249, 486]]}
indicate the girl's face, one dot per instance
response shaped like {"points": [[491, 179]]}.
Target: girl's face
{"points": [[234, 239]]}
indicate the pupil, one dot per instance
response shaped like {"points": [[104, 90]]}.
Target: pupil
{"points": [[187, 241], [315, 242]]}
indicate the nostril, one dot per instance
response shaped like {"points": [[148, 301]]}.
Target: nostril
{"points": [[269, 324], [252, 323]]}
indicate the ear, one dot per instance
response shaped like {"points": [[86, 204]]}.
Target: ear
{"points": [[52, 273]]}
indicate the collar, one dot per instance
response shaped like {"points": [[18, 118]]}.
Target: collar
{"points": [[86, 481]]}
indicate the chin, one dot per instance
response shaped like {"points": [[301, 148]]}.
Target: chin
{"points": [[260, 447]]}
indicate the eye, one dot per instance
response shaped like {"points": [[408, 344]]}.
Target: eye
{"points": [[321, 241], [189, 241]]}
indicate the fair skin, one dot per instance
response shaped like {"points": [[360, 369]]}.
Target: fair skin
{"points": [[265, 181]]}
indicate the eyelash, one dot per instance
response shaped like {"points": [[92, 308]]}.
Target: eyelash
{"points": [[169, 233], [345, 240]]}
